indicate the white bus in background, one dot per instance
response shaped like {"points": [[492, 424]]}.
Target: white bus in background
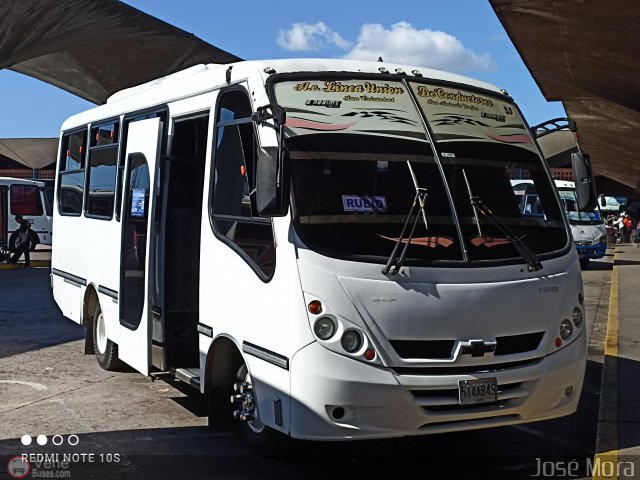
{"points": [[587, 226], [27, 198], [337, 240]]}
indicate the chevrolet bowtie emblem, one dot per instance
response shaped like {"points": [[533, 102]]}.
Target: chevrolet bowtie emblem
{"points": [[477, 348]]}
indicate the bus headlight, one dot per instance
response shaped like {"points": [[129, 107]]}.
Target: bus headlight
{"points": [[566, 329], [351, 341], [577, 317], [324, 328]]}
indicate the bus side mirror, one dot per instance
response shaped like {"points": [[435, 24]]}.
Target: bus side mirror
{"points": [[585, 186], [272, 182]]}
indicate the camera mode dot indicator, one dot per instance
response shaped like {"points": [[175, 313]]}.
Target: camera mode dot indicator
{"points": [[26, 440], [42, 440]]}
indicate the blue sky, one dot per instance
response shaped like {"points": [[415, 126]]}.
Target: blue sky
{"points": [[464, 36]]}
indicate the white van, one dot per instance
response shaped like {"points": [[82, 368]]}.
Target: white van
{"points": [[26, 198]]}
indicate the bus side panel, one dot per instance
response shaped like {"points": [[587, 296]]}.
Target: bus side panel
{"points": [[68, 296]]}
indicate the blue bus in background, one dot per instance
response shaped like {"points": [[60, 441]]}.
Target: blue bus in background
{"points": [[587, 227]]}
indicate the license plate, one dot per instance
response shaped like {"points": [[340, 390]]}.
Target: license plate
{"points": [[481, 390]]}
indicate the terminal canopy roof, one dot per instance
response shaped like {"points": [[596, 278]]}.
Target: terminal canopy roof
{"points": [[95, 48], [33, 153], [586, 54]]}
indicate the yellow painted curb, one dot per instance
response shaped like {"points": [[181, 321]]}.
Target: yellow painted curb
{"points": [[611, 341], [605, 465], [610, 350], [18, 266]]}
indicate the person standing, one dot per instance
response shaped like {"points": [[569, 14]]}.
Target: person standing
{"points": [[24, 241], [627, 228]]}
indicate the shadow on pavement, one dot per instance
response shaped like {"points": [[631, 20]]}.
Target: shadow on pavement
{"points": [[628, 395], [599, 265], [29, 317]]}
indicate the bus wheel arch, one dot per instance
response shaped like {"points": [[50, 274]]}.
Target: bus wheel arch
{"points": [[223, 361], [226, 370], [264, 439]]}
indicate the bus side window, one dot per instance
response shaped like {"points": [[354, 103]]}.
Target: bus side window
{"points": [[71, 178], [233, 217], [101, 170]]}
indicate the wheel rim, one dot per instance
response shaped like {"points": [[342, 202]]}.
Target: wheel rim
{"points": [[255, 425], [101, 336]]}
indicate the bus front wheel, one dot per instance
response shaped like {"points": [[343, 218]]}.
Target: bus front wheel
{"points": [[106, 351], [262, 438]]}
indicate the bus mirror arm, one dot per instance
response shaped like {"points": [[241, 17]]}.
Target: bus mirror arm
{"points": [[586, 197], [554, 125], [270, 112]]}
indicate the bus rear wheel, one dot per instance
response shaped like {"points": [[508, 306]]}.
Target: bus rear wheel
{"points": [[262, 438], [106, 351]]}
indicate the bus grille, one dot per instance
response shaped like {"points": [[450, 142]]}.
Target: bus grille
{"points": [[442, 349], [465, 369]]}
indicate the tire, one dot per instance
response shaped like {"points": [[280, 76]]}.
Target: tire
{"points": [[584, 262], [105, 350], [265, 440]]}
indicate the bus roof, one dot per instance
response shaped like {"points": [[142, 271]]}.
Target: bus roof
{"points": [[20, 181], [204, 78]]}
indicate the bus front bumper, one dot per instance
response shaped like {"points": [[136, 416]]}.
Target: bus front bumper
{"points": [[592, 251], [336, 398]]}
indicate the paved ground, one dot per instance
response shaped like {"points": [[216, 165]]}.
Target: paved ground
{"points": [[41, 257], [618, 440], [157, 430]]}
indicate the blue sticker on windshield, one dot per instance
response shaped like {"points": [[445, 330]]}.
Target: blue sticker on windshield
{"points": [[356, 203]]}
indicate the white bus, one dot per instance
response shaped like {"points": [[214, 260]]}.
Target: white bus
{"points": [[587, 226], [337, 240], [27, 198]]}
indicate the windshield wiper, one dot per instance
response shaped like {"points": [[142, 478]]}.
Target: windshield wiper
{"points": [[418, 202], [533, 264]]}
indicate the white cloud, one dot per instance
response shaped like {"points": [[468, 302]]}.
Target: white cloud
{"points": [[305, 36], [403, 43]]}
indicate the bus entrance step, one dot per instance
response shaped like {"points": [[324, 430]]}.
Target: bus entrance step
{"points": [[190, 376]]}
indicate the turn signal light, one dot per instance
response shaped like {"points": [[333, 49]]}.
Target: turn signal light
{"points": [[315, 307]]}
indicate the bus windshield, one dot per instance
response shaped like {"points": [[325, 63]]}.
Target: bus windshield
{"points": [[359, 149]]}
